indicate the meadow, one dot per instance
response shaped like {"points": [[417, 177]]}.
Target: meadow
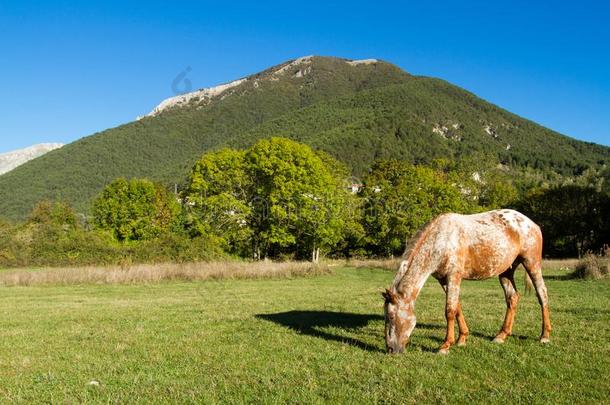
{"points": [[299, 338]]}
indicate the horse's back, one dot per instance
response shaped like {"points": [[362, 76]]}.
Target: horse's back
{"points": [[496, 221], [487, 243]]}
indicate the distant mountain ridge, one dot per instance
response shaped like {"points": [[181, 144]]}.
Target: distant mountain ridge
{"points": [[11, 160], [358, 111]]}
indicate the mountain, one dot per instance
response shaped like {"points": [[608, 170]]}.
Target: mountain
{"points": [[10, 160], [358, 111]]}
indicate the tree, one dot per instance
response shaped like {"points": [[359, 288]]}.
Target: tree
{"points": [[135, 209], [218, 198], [497, 192], [53, 213], [400, 198], [300, 202], [480, 180], [573, 219], [219, 172], [605, 182], [276, 198], [348, 207]]}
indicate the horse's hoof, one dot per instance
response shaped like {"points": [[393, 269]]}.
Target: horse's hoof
{"points": [[545, 340], [460, 344], [498, 340], [444, 352]]}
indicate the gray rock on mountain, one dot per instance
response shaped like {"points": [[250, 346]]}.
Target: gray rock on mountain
{"points": [[10, 160]]}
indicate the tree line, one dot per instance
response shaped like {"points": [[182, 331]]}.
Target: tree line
{"points": [[281, 199]]}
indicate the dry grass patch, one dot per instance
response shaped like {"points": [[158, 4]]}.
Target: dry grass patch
{"points": [[559, 264], [593, 266], [385, 264], [391, 264], [159, 272]]}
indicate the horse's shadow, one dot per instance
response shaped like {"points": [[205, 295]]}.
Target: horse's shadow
{"points": [[310, 323], [442, 328]]}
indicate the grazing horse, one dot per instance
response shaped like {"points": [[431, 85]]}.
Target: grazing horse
{"points": [[455, 247]]}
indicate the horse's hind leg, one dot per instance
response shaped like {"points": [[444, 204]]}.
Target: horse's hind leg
{"points": [[461, 320], [512, 299], [461, 325], [534, 269]]}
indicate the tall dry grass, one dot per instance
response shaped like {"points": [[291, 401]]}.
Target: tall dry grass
{"points": [[593, 266], [559, 264], [390, 264], [159, 272]]}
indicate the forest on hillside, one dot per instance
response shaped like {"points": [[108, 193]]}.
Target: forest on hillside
{"points": [[358, 115], [280, 199]]}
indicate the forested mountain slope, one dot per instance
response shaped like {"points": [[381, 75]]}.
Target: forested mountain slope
{"points": [[358, 111]]}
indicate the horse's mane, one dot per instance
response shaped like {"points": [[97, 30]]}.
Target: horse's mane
{"points": [[412, 241], [412, 246]]}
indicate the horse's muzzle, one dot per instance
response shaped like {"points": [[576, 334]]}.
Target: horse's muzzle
{"points": [[395, 350]]}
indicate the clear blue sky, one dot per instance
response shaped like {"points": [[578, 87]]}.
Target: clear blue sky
{"points": [[69, 69]]}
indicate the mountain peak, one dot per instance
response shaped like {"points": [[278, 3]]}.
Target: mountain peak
{"points": [[205, 95], [362, 62]]}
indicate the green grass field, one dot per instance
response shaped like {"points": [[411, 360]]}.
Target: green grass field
{"points": [[305, 340]]}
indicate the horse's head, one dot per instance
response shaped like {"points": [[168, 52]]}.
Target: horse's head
{"points": [[399, 320]]}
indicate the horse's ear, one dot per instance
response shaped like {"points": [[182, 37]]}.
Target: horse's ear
{"points": [[385, 295], [389, 296]]}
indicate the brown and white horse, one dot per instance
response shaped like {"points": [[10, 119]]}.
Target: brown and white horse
{"points": [[454, 247]]}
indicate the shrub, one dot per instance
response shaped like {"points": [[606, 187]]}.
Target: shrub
{"points": [[56, 213], [593, 266], [51, 238], [136, 209], [175, 248]]}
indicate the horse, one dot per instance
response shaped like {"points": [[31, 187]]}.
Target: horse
{"points": [[455, 247]]}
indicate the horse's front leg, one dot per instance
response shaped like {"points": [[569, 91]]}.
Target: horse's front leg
{"points": [[451, 308], [459, 316]]}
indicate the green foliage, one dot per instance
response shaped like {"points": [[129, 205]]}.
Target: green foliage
{"points": [[605, 180], [135, 209], [358, 114], [282, 199], [400, 198], [217, 199], [221, 172], [301, 197], [573, 219], [53, 245], [49, 213], [278, 197], [497, 192], [43, 244], [174, 248]]}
